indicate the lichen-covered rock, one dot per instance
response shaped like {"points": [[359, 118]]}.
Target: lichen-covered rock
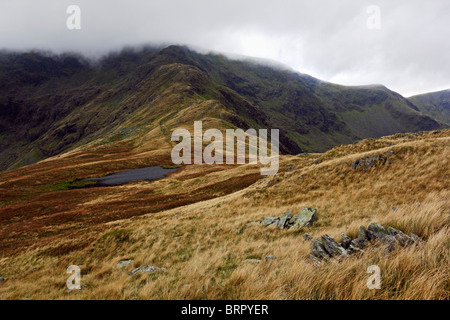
{"points": [[305, 218], [269, 220], [375, 227], [389, 242], [318, 250], [370, 161], [332, 247], [326, 247], [393, 231], [346, 241], [401, 238], [283, 222], [362, 239]]}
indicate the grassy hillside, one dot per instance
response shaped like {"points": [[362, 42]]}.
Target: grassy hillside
{"points": [[194, 223], [434, 104], [52, 104]]}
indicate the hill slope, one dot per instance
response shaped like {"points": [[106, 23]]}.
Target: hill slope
{"points": [[52, 104], [434, 104], [195, 224]]}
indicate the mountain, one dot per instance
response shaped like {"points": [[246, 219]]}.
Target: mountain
{"points": [[52, 104], [86, 119], [434, 104]]}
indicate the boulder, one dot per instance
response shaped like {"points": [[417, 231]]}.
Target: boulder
{"points": [[318, 250], [371, 161], [305, 218], [346, 241], [269, 221], [283, 222], [326, 247], [362, 240]]}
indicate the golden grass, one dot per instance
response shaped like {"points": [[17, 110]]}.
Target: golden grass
{"points": [[204, 245]]}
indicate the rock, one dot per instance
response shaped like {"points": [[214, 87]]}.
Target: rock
{"points": [[315, 260], [149, 269], [393, 231], [332, 247], [352, 249], [124, 263], [357, 163], [318, 251], [269, 220], [2, 279], [390, 242], [400, 237], [369, 161], [346, 241], [376, 227], [283, 222], [326, 247], [362, 239], [415, 238], [307, 236], [305, 218], [376, 231], [270, 257]]}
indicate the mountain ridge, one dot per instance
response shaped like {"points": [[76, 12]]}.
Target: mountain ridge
{"points": [[69, 102]]}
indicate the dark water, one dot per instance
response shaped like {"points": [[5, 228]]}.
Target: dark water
{"points": [[119, 178]]}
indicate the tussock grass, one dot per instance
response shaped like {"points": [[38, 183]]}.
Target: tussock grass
{"points": [[204, 245]]}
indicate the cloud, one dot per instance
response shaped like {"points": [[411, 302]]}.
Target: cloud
{"points": [[327, 39]]}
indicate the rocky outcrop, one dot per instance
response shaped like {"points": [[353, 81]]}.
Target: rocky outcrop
{"points": [[371, 161], [305, 218], [326, 247]]}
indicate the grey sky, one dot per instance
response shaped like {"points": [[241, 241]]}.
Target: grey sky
{"points": [[328, 39]]}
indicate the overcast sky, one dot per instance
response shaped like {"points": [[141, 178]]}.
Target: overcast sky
{"points": [[328, 39]]}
